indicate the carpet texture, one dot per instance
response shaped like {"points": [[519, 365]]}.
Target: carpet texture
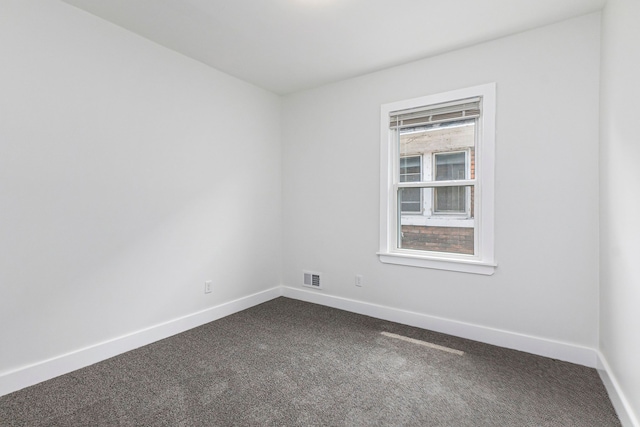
{"points": [[291, 363]]}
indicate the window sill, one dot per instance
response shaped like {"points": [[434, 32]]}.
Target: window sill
{"points": [[450, 264]]}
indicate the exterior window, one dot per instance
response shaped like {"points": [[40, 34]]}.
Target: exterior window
{"points": [[449, 167], [437, 172], [411, 171]]}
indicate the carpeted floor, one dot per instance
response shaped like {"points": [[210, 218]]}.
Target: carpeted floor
{"points": [[291, 363]]}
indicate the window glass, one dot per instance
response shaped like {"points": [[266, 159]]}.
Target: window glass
{"points": [[445, 237], [411, 171], [431, 216], [448, 167]]}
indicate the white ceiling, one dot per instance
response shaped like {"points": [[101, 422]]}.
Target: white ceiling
{"points": [[289, 45]]}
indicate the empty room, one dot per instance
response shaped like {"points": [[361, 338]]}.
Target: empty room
{"points": [[319, 212]]}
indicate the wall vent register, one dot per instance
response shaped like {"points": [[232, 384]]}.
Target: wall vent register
{"points": [[312, 280]]}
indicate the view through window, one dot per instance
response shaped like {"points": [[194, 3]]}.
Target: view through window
{"points": [[437, 215]]}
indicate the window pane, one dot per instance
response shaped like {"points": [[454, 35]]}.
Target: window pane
{"points": [[450, 199], [410, 200], [443, 149], [411, 169], [450, 166], [449, 233], [410, 164]]}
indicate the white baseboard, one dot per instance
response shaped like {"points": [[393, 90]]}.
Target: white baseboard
{"points": [[530, 344], [620, 402], [63, 364]]}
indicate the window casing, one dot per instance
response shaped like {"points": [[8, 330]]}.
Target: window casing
{"points": [[437, 181]]}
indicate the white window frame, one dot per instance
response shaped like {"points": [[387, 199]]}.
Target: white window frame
{"points": [[482, 262]]}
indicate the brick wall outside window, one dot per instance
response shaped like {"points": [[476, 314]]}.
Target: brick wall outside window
{"points": [[438, 239]]}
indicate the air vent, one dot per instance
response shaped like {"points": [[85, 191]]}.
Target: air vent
{"points": [[312, 279]]}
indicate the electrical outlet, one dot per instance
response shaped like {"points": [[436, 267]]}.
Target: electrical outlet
{"points": [[359, 280], [207, 287]]}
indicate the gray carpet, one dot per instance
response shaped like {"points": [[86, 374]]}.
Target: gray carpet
{"points": [[290, 363]]}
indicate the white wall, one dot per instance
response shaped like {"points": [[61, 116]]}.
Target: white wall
{"points": [[546, 284], [620, 198], [129, 175]]}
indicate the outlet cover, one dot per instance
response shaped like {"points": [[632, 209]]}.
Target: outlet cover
{"points": [[359, 280]]}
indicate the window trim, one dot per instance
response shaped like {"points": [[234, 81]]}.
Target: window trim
{"points": [[483, 261]]}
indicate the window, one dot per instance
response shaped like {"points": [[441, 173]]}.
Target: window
{"points": [[450, 166], [411, 171], [437, 181]]}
